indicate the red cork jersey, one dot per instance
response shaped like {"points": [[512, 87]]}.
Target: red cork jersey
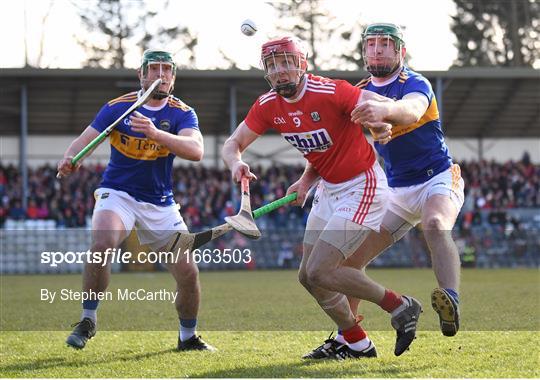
{"points": [[318, 124]]}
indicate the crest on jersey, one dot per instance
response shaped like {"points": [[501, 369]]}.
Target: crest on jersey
{"points": [[315, 116], [165, 125]]}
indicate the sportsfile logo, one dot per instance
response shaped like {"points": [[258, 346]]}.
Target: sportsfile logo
{"points": [[307, 142]]}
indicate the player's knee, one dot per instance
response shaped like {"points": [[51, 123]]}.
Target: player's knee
{"points": [[434, 222], [303, 279], [103, 245], [189, 274], [316, 276]]}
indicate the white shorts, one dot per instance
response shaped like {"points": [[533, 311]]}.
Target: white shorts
{"points": [[155, 224], [408, 202], [341, 211]]}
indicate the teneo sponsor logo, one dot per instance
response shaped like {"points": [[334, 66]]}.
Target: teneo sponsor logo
{"points": [[307, 142]]}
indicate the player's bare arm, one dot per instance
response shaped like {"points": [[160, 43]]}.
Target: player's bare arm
{"points": [[187, 144], [405, 111], [65, 167], [232, 152], [302, 186]]}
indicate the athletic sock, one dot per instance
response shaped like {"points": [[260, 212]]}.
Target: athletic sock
{"points": [[90, 310], [354, 334], [187, 328], [361, 345], [453, 293], [391, 301], [339, 338], [405, 304]]}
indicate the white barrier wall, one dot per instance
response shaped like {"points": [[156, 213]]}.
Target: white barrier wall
{"points": [[265, 151]]}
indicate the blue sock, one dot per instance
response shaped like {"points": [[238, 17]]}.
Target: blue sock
{"points": [[453, 293], [90, 309], [187, 328], [339, 337]]}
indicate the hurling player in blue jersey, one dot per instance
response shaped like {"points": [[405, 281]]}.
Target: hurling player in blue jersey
{"points": [[426, 186], [136, 190]]}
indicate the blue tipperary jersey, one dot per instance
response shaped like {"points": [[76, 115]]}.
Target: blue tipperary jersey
{"points": [[140, 166], [416, 152]]}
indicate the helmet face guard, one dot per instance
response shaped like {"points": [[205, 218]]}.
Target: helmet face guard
{"points": [[382, 46], [166, 64], [284, 62]]}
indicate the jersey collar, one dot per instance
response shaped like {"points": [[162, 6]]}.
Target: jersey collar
{"points": [[301, 94], [150, 108], [381, 83]]}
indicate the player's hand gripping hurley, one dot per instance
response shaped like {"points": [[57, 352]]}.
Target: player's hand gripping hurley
{"points": [[103, 135], [243, 221]]}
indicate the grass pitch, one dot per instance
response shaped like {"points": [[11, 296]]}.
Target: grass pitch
{"points": [[262, 322]]}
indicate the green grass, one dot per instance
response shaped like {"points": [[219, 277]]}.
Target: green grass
{"points": [[262, 322]]}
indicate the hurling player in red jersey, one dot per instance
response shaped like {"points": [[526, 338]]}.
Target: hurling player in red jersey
{"points": [[314, 115]]}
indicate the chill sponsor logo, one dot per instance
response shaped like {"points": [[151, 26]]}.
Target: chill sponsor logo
{"points": [[307, 142]]}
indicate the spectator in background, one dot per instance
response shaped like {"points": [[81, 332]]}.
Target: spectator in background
{"points": [[210, 189], [16, 211]]}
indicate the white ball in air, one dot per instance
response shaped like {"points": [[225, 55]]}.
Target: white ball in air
{"points": [[248, 27]]}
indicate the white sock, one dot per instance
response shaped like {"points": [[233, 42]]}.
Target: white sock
{"points": [[187, 332], [360, 345], [340, 339], [88, 313], [400, 308]]}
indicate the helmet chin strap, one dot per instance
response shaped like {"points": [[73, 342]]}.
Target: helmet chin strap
{"points": [[289, 89]]}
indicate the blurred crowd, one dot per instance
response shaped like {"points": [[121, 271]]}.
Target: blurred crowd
{"points": [[205, 193]]}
